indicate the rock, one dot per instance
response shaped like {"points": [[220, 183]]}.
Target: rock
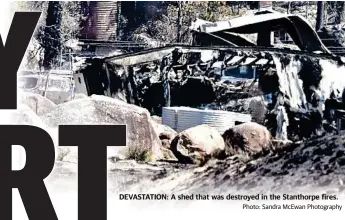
{"points": [[39, 104], [166, 143], [249, 139], [281, 145], [23, 115], [197, 144], [157, 119], [166, 135], [164, 132], [168, 155], [80, 96], [141, 137], [257, 110]]}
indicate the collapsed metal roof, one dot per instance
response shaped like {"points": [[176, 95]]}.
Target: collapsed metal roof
{"points": [[156, 54], [296, 26], [230, 33]]}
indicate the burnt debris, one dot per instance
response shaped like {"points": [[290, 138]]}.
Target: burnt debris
{"points": [[297, 91]]}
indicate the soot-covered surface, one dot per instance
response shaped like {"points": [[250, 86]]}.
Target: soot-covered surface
{"points": [[317, 164]]}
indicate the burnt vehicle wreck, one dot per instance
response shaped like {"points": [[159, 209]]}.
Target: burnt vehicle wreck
{"points": [[299, 87]]}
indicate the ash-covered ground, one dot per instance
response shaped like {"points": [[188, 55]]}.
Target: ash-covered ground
{"points": [[317, 164]]}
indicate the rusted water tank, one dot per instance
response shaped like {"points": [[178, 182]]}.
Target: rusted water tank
{"points": [[102, 20]]}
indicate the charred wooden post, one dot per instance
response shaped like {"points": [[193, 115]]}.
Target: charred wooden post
{"points": [[133, 84], [108, 89], [128, 85], [167, 96]]}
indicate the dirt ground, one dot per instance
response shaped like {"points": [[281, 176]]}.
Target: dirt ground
{"points": [[316, 164]]}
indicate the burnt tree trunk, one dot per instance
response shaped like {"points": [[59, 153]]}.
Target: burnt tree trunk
{"points": [[320, 15], [52, 34]]}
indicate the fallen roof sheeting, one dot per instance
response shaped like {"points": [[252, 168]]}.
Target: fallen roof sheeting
{"points": [[298, 28], [155, 54]]}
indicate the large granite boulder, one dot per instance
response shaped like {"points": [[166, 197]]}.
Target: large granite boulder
{"points": [[166, 136], [198, 144], [39, 104], [164, 132], [250, 139], [142, 141]]}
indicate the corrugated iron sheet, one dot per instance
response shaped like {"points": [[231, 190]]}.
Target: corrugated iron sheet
{"points": [[182, 118]]}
